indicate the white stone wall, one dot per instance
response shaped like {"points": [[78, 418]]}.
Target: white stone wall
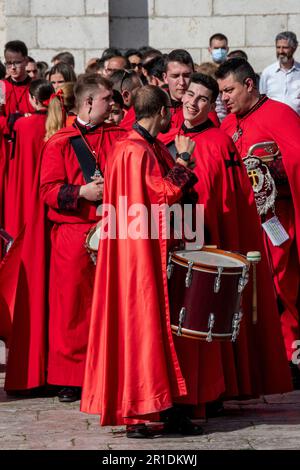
{"points": [[86, 27], [52, 26], [250, 25]]}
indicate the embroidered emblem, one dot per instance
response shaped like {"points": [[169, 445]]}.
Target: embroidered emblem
{"points": [[262, 183]]}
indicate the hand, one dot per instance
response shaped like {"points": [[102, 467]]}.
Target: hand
{"points": [[92, 191], [190, 164], [184, 144]]}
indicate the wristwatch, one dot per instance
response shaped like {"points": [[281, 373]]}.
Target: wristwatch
{"points": [[185, 156]]}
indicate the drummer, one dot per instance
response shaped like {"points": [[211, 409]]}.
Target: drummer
{"points": [[130, 330], [255, 118], [231, 223], [71, 191]]}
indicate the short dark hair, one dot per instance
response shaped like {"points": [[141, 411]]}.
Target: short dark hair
{"points": [[156, 67], [148, 101], [208, 82], [180, 55], [65, 57], [240, 68], [237, 53], [219, 37], [41, 89], [131, 52], [110, 52], [16, 46], [124, 80], [117, 98], [95, 66], [89, 83], [65, 70]]}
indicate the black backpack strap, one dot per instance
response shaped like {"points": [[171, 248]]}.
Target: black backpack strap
{"points": [[85, 157]]}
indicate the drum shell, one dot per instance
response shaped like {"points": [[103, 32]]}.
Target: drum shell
{"points": [[200, 300]]}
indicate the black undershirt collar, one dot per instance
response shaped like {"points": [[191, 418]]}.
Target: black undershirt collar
{"points": [[144, 133], [200, 128], [24, 82]]}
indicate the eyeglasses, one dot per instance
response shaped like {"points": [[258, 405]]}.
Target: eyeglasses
{"points": [[16, 63], [134, 64]]}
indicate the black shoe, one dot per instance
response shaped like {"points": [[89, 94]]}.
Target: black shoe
{"points": [[295, 373], [139, 431], [214, 409], [176, 422], [69, 394]]}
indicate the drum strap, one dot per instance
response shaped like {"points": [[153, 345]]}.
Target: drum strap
{"points": [[85, 158]]}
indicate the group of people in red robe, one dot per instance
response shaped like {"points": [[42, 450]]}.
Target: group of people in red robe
{"points": [[104, 334]]}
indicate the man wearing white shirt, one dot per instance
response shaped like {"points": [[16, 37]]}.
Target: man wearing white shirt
{"points": [[281, 80]]}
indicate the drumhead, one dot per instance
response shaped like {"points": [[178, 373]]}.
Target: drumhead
{"points": [[212, 258], [94, 238]]}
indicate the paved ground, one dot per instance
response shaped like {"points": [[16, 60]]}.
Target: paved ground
{"points": [[272, 422]]}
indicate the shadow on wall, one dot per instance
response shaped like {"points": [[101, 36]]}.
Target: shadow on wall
{"points": [[128, 23]]}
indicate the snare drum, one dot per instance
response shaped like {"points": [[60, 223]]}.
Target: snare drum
{"points": [[92, 241], [205, 289]]}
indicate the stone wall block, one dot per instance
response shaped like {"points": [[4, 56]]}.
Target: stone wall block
{"points": [[255, 7], [184, 8], [262, 30], [84, 32], [17, 8], [57, 8], [23, 29], [194, 32], [97, 7]]}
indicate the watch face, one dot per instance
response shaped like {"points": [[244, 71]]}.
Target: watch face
{"points": [[185, 156]]}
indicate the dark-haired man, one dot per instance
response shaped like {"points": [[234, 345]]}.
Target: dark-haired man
{"points": [[131, 270], [254, 119], [231, 223], [126, 82], [14, 103]]}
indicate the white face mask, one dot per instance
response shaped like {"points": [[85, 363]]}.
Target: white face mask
{"points": [[219, 55]]}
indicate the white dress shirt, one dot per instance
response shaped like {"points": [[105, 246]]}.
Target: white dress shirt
{"points": [[282, 85]]}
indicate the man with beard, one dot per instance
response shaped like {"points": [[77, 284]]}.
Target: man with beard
{"points": [[130, 332], [253, 119], [281, 80]]}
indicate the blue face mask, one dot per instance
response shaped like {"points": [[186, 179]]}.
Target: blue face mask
{"points": [[219, 55]]}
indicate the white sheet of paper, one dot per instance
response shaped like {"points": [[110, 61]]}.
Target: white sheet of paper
{"points": [[275, 231]]}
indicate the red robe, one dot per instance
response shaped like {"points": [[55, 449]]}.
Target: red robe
{"points": [[256, 364], [276, 121], [71, 271], [128, 120], [16, 99], [130, 331], [29, 139]]}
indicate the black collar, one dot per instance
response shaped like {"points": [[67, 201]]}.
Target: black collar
{"points": [[40, 111], [200, 128], [24, 82], [143, 132]]}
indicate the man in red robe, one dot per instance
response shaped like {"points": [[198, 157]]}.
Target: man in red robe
{"points": [[70, 186], [231, 223], [130, 331], [255, 119], [14, 103]]}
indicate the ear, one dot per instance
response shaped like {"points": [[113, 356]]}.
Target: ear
{"points": [[163, 111], [249, 84], [125, 96], [165, 77]]}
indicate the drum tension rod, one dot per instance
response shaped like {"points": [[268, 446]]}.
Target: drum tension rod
{"points": [[181, 320], [170, 267], [217, 285], [189, 275]]}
